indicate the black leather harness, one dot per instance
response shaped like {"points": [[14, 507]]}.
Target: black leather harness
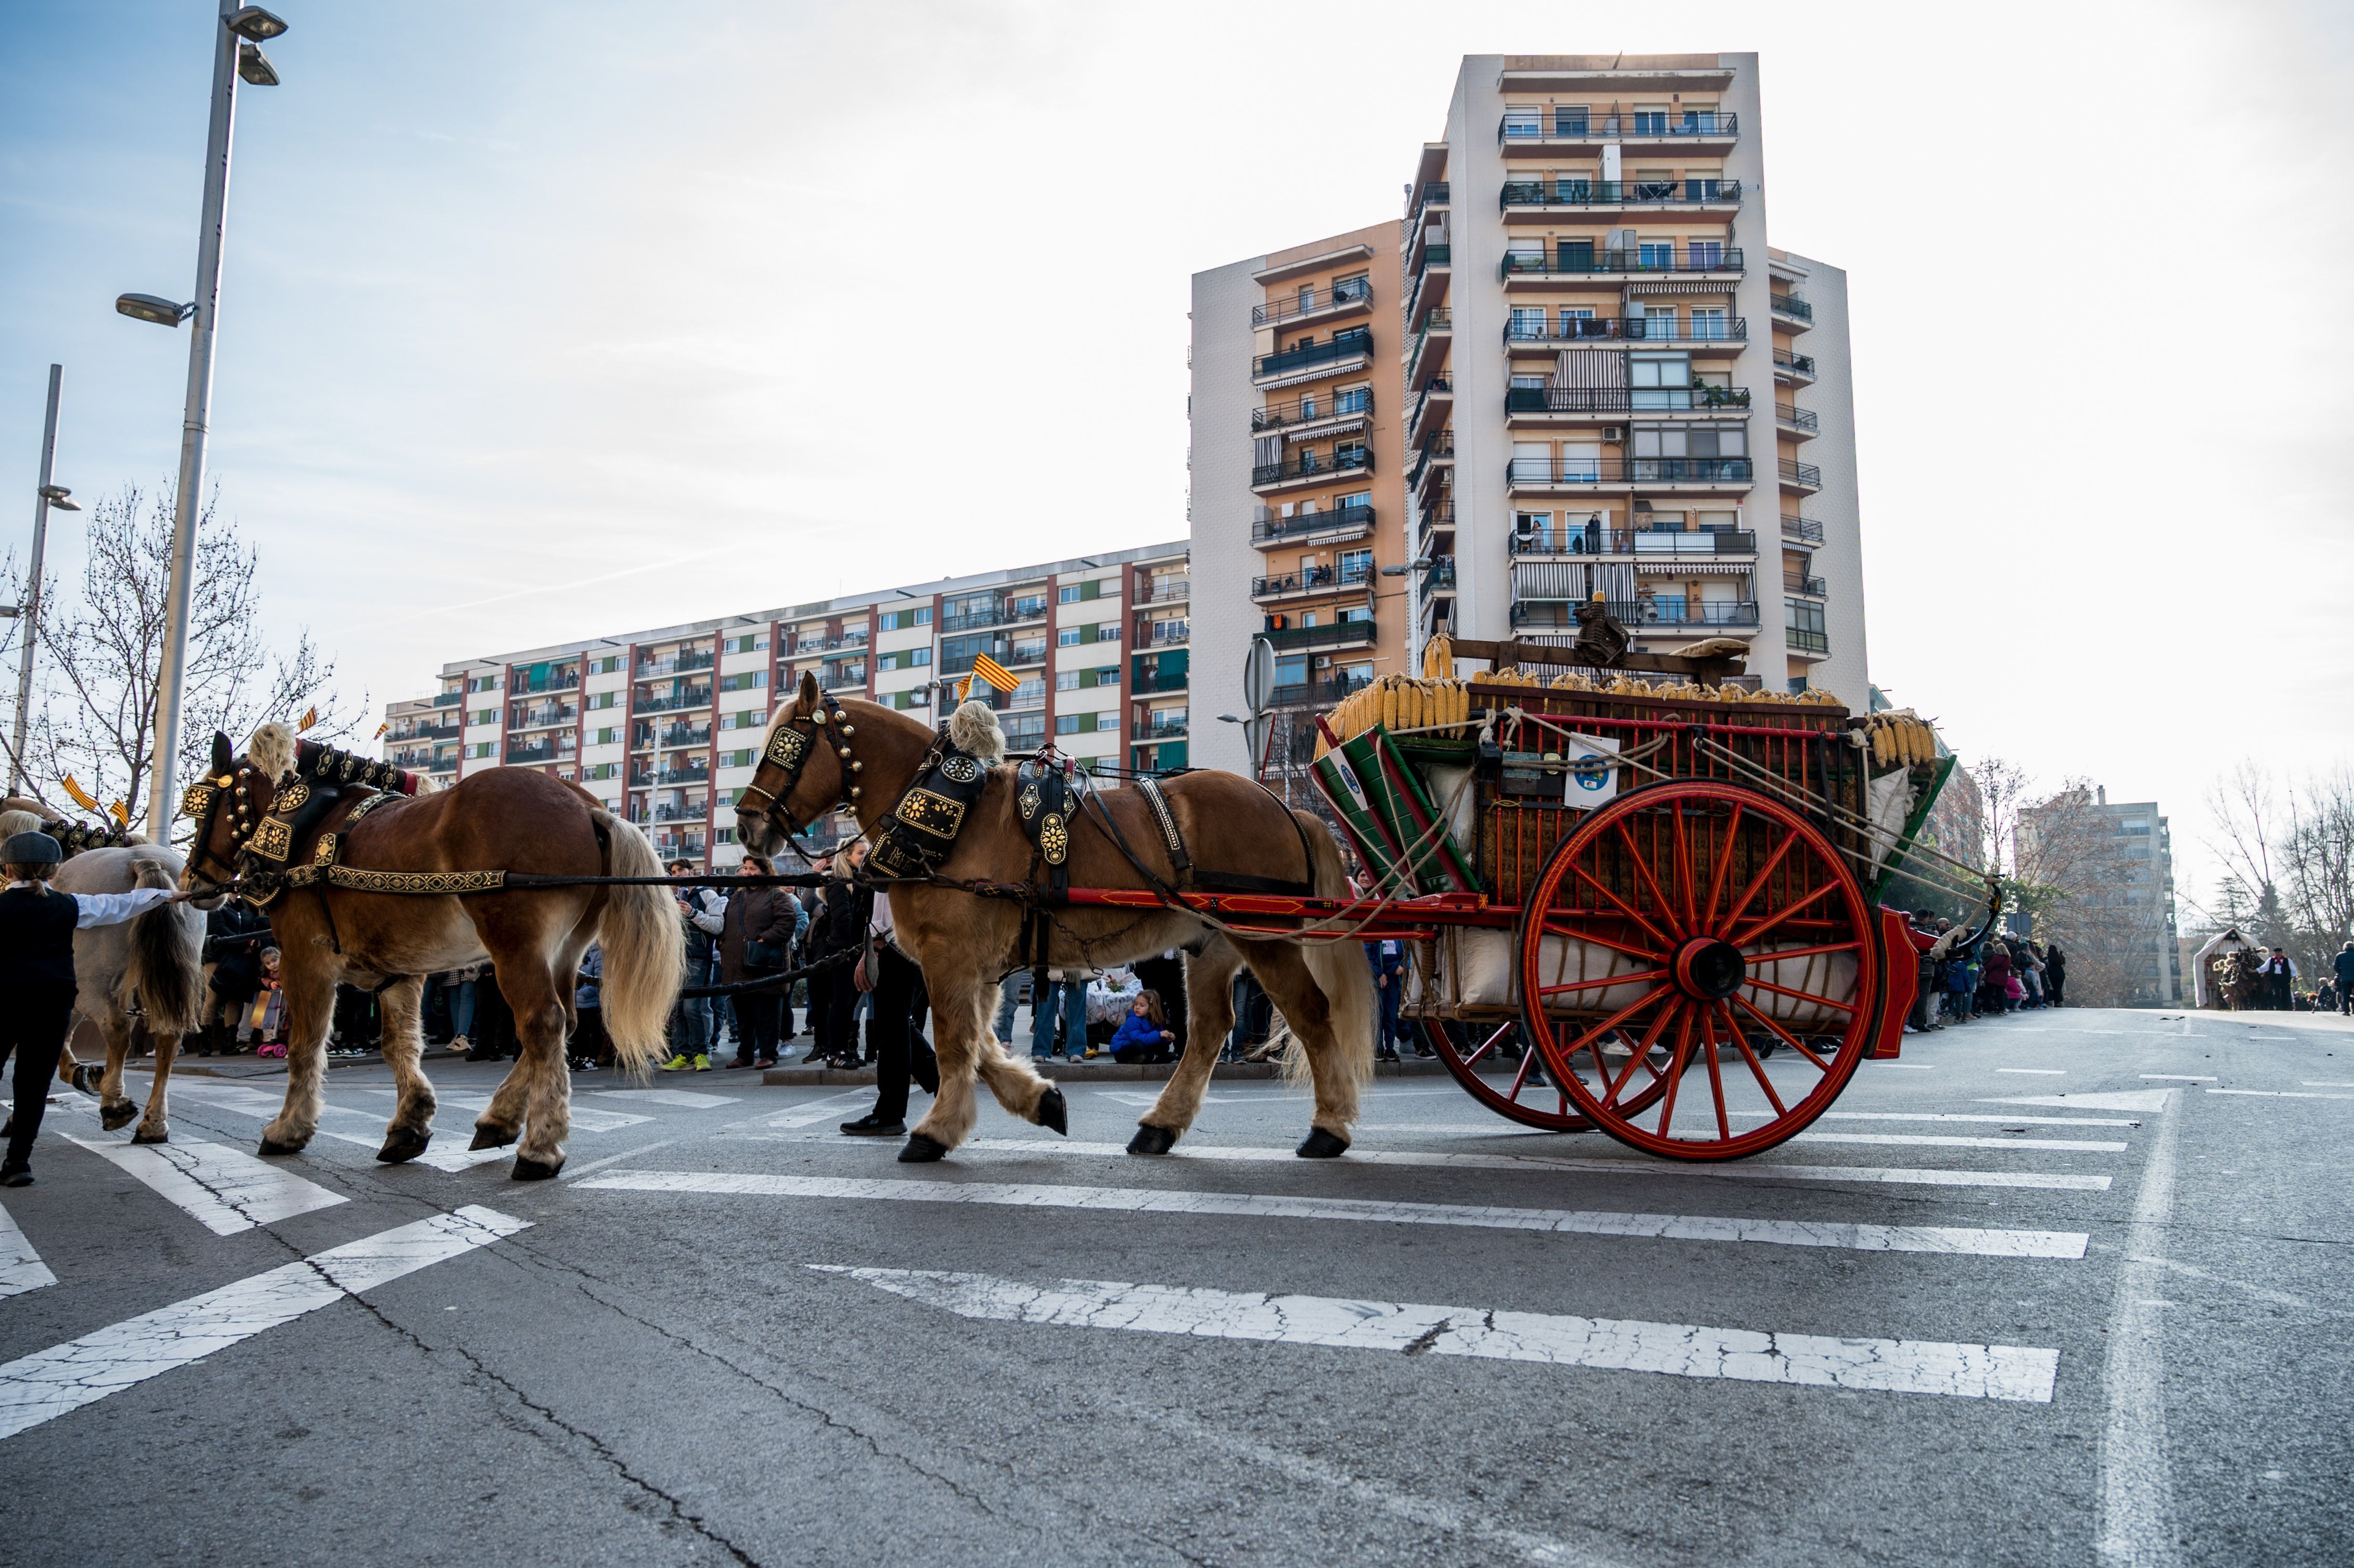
{"points": [[922, 826]]}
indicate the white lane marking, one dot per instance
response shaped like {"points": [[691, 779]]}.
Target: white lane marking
{"points": [[1136, 1097], [1957, 1116], [2125, 1100], [21, 1269], [2137, 1524], [2324, 1084], [691, 1099], [810, 1111], [223, 1189], [574, 1175], [1679, 1349], [2280, 1095], [585, 1118], [1751, 1172], [454, 1159], [2279, 1298], [1931, 1140], [2036, 1072], [1948, 1239], [48, 1384], [2179, 1077]]}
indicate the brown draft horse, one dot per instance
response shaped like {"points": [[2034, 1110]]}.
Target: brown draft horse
{"points": [[503, 820], [864, 755]]}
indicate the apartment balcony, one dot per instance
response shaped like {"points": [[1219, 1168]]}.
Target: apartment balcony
{"points": [[1791, 313], [1343, 351], [1802, 641], [1313, 580], [1579, 266], [1804, 530], [1314, 694], [1801, 476], [1434, 195], [1526, 407], [670, 776], [1801, 424], [1574, 475], [1309, 467], [1149, 732], [678, 663], [544, 718], [1430, 345], [1708, 131], [1349, 299], [1638, 543], [568, 682], [981, 621], [692, 697], [1439, 575], [1814, 588], [677, 738], [1438, 518], [1437, 396], [522, 756], [1437, 451], [1344, 634], [1541, 200], [1147, 683], [1544, 615], [1336, 525], [1315, 414], [689, 812], [443, 765], [424, 732], [1168, 590], [811, 647], [1793, 369], [1705, 334], [448, 699], [1171, 633], [415, 761]]}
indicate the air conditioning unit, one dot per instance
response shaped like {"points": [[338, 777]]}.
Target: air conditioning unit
{"points": [[1614, 435]]}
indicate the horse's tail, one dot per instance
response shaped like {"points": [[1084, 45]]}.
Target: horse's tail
{"points": [[166, 971], [645, 948], [1340, 972]]}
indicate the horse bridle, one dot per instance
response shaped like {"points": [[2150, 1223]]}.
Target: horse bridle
{"points": [[201, 802], [789, 748]]}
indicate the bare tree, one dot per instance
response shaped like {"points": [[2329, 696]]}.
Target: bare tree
{"points": [[2002, 788], [2315, 856], [2244, 807], [102, 655], [2074, 878]]}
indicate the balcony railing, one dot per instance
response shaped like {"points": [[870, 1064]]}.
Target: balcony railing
{"points": [[1165, 632], [982, 620], [1598, 540], [1439, 253], [1310, 465], [1660, 328], [566, 682], [808, 647], [448, 699], [1440, 575], [1629, 471], [1641, 612], [1340, 346], [1805, 528], [1434, 193], [545, 718], [1530, 125], [1797, 418], [1151, 732], [683, 776], [1583, 193], [1169, 590], [1308, 302], [692, 697], [1339, 519], [1151, 681], [1312, 579], [1344, 634], [1797, 364], [676, 663], [1437, 448], [424, 732], [1806, 474], [1439, 516], [1791, 305], [1807, 642], [1814, 585], [517, 754], [1319, 693], [415, 761], [1571, 262], [1307, 410], [693, 812], [1621, 399]]}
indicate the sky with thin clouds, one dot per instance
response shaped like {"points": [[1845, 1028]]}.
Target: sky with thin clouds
{"points": [[541, 323]]}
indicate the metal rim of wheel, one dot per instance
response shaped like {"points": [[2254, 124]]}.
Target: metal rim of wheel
{"points": [[1537, 1105], [1649, 875]]}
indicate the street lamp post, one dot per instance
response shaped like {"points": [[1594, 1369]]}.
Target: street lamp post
{"points": [[28, 614], [235, 55]]}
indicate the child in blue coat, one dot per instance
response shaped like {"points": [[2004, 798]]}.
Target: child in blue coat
{"points": [[1141, 1037]]}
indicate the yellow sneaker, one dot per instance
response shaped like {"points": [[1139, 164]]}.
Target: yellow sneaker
{"points": [[678, 1064], [702, 1064]]}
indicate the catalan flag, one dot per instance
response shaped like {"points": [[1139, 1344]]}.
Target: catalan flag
{"points": [[310, 717], [985, 668], [81, 797], [380, 729], [120, 813]]}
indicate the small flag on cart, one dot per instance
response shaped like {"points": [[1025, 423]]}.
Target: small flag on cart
{"points": [[81, 797], [985, 668], [310, 717], [121, 813], [380, 729]]}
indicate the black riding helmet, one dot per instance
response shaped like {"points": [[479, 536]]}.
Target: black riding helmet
{"points": [[31, 849]]}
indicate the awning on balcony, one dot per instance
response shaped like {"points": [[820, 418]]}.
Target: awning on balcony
{"points": [[1324, 431], [1679, 288], [1691, 566], [1590, 367], [1566, 580]]}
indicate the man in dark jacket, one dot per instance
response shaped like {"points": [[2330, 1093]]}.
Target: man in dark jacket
{"points": [[2343, 964], [1387, 958], [234, 935], [2278, 971], [756, 938], [849, 910]]}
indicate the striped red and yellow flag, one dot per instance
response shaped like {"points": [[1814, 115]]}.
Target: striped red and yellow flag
{"points": [[310, 717], [380, 729], [81, 797], [985, 668]]}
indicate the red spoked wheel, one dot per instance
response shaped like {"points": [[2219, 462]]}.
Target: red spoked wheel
{"points": [[1478, 1054], [1680, 932]]}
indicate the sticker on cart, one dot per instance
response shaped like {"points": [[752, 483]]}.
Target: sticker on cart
{"points": [[1591, 762]]}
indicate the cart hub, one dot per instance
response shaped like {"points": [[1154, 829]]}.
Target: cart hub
{"points": [[1708, 969]]}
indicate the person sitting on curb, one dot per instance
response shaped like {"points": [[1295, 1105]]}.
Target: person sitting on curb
{"points": [[1140, 1037]]}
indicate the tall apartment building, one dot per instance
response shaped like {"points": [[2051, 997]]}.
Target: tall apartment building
{"points": [[664, 726], [2125, 949], [1609, 380]]}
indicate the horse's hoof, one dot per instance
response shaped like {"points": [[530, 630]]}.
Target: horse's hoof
{"points": [[1150, 1139], [1054, 1111], [402, 1144], [491, 1138], [1322, 1145], [271, 1147], [922, 1150], [526, 1168], [112, 1116], [86, 1075], [144, 1136]]}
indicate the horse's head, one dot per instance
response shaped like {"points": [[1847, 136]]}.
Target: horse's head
{"points": [[230, 801], [807, 768]]}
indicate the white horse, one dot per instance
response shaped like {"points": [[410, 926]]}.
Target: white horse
{"points": [[145, 975]]}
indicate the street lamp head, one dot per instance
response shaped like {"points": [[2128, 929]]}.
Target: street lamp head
{"points": [[58, 495], [253, 67], [1229, 718], [152, 308], [253, 22]]}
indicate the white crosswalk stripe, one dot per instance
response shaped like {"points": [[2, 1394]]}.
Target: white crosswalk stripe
{"points": [[1680, 1349], [1933, 1141], [817, 1110], [691, 1099], [50, 1383], [225, 1190], [21, 1269], [1952, 1240]]}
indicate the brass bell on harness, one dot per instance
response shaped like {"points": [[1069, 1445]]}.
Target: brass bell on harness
{"points": [[848, 730], [856, 791], [817, 717], [857, 767]]}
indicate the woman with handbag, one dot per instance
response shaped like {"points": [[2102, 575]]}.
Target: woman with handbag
{"points": [[756, 938]]}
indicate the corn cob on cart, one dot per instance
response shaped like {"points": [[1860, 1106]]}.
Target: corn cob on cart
{"points": [[1647, 907]]}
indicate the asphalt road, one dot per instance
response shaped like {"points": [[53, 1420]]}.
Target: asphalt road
{"points": [[2060, 1288]]}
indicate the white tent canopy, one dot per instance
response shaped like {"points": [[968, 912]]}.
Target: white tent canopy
{"points": [[2227, 940]]}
